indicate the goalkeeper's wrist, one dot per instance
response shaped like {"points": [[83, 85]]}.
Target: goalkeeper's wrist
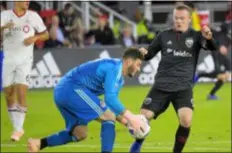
{"points": [[127, 114]]}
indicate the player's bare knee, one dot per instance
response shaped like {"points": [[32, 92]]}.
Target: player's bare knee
{"points": [[185, 116], [147, 113], [185, 122], [80, 132], [222, 77]]}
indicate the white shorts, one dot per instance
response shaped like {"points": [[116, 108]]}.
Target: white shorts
{"points": [[15, 73]]}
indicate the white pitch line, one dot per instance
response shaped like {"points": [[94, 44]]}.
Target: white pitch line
{"points": [[122, 146]]}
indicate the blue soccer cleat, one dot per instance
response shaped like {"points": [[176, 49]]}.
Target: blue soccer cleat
{"points": [[212, 97], [196, 78]]}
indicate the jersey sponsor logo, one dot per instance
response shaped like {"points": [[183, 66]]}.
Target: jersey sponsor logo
{"points": [[15, 29], [46, 73], [189, 42], [182, 53]]}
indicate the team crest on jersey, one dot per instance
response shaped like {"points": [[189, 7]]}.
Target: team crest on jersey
{"points": [[189, 42], [26, 28]]}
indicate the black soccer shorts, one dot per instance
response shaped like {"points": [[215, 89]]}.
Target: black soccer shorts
{"points": [[158, 101]]}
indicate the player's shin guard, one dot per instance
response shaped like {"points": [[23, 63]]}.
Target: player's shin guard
{"points": [[1, 63], [182, 134], [57, 139], [136, 146], [107, 136]]}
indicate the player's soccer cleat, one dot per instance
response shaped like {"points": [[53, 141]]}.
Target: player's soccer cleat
{"points": [[33, 145], [16, 136], [212, 97]]}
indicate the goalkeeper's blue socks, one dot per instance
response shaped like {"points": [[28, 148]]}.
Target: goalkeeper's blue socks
{"points": [[107, 136], [1, 63], [57, 139], [136, 146]]}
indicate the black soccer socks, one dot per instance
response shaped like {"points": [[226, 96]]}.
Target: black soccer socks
{"points": [[217, 86], [182, 134]]}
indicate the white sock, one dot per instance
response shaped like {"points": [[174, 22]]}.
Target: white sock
{"points": [[21, 113], [13, 115]]}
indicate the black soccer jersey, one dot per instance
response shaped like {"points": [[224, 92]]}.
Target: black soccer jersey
{"points": [[179, 54]]}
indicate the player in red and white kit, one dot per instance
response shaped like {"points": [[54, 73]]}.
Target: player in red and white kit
{"points": [[21, 28]]}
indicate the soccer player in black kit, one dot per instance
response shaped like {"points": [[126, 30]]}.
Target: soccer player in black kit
{"points": [[222, 64], [180, 47]]}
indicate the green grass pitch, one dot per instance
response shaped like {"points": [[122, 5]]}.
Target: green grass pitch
{"points": [[211, 127]]}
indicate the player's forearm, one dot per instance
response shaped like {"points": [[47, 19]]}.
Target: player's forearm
{"points": [[43, 36], [113, 102], [211, 44], [153, 49], [151, 53]]}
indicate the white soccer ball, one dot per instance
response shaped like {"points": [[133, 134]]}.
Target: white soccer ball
{"points": [[140, 134]]}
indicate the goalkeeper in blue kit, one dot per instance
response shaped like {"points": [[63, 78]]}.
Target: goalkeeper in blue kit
{"points": [[76, 97]]}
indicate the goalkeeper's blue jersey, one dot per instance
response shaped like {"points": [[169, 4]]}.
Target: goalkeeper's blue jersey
{"points": [[100, 77]]}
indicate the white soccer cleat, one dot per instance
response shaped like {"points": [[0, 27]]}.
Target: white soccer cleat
{"points": [[16, 136], [33, 145]]}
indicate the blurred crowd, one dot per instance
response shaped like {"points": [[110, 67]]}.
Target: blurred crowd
{"points": [[66, 28]]}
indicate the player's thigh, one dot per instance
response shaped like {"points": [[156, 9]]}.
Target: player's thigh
{"points": [[23, 73], [79, 106], [183, 104], [223, 76], [8, 73], [157, 101]]}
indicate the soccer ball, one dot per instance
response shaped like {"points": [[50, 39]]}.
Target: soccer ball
{"points": [[140, 134]]}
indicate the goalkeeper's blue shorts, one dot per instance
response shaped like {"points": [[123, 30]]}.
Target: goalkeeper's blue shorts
{"points": [[78, 106], [1, 64]]}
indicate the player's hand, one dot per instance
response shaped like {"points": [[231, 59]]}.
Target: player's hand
{"points": [[206, 33], [143, 51], [223, 50], [9, 25], [134, 120], [30, 40], [136, 123]]}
